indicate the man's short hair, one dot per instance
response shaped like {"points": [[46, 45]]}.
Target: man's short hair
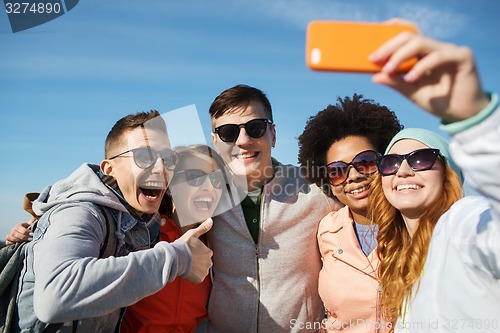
{"points": [[129, 123], [239, 96]]}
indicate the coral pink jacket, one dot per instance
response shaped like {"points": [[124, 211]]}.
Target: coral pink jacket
{"points": [[348, 281]]}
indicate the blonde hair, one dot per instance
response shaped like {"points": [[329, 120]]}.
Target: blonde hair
{"points": [[402, 257]]}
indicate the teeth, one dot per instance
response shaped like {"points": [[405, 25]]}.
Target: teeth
{"points": [[151, 197], [203, 203], [246, 155], [408, 187], [209, 200], [153, 185], [358, 190]]}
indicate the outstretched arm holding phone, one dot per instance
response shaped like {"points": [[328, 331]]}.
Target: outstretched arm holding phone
{"points": [[457, 290]]}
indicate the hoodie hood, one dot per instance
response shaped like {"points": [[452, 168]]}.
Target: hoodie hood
{"points": [[83, 185]]}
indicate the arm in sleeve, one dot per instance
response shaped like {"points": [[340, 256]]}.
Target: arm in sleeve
{"points": [[72, 282], [477, 151]]}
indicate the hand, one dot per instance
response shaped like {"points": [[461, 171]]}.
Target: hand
{"points": [[201, 255], [20, 233], [444, 81]]}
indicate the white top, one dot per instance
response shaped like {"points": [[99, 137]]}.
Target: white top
{"points": [[459, 290]]}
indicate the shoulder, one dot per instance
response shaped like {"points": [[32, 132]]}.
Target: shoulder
{"points": [[287, 171], [77, 215], [335, 221], [469, 205], [85, 208], [291, 175], [462, 219], [290, 178]]}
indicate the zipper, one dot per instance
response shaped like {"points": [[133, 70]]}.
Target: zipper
{"points": [[257, 251], [258, 286]]}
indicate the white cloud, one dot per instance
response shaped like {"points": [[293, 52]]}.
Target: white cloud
{"points": [[433, 18], [299, 13], [435, 22]]}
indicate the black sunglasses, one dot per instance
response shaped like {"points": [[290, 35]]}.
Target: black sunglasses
{"points": [[255, 128], [145, 157], [365, 163], [418, 160], [196, 177]]}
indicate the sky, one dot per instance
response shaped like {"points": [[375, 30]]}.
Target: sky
{"points": [[63, 84]]}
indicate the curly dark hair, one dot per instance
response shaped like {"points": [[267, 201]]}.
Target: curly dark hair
{"points": [[354, 116]]}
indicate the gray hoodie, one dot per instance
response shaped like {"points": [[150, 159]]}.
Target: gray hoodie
{"points": [[64, 279], [271, 286]]}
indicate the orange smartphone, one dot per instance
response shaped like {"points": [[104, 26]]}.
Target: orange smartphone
{"points": [[345, 46]]}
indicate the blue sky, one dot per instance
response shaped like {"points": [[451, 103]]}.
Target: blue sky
{"points": [[63, 84]]}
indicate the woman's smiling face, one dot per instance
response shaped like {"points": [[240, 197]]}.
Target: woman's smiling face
{"points": [[194, 193], [413, 192], [354, 191]]}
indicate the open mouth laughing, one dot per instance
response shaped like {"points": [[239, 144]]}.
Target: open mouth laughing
{"points": [[203, 203], [152, 190]]}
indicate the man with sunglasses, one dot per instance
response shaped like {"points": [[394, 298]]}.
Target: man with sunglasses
{"points": [[266, 260], [91, 255]]}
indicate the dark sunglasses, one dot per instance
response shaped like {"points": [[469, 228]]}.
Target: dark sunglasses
{"points": [[255, 128], [196, 177], [418, 160], [145, 157], [364, 163]]}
